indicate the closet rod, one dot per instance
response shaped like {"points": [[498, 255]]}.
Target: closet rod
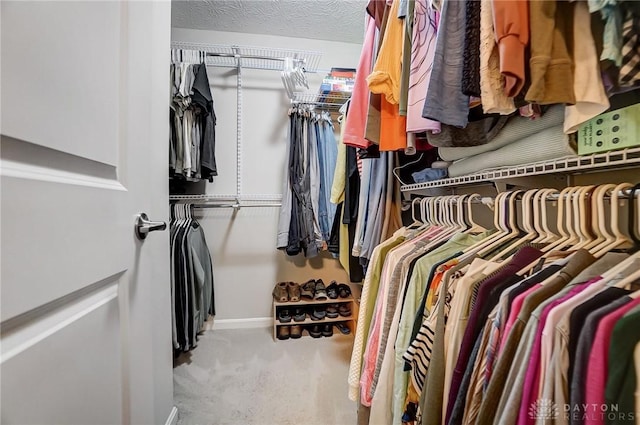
{"points": [[623, 194], [234, 206]]}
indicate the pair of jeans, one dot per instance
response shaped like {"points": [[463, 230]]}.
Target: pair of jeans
{"points": [[327, 157], [301, 226], [445, 101]]}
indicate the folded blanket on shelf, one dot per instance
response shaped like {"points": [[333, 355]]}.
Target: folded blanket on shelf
{"points": [[516, 129], [547, 144]]}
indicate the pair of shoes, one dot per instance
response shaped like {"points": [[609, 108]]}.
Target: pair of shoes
{"points": [[344, 291], [344, 310], [313, 290], [343, 328], [318, 313], [317, 331], [332, 290], [285, 315], [284, 332], [321, 291], [308, 289], [286, 291]]}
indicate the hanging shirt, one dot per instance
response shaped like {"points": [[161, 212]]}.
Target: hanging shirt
{"points": [[356, 121], [598, 358], [422, 54], [386, 75]]}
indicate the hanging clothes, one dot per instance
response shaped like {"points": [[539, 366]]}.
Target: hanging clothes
{"points": [[192, 120], [458, 325], [192, 293], [307, 213]]}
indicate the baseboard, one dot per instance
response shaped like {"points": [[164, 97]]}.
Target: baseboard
{"points": [[173, 417], [254, 322]]}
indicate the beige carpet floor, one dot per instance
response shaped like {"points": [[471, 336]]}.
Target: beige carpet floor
{"points": [[243, 377]]}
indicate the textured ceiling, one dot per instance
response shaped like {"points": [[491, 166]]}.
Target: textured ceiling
{"points": [[335, 20]]}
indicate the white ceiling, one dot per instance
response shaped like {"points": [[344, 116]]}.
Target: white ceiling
{"points": [[335, 20]]}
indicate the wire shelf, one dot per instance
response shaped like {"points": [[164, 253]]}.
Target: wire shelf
{"points": [[331, 101], [250, 57], [574, 164]]}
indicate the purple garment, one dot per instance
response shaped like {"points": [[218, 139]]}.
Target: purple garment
{"points": [[523, 257]]}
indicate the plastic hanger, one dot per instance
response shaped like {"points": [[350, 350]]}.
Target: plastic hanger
{"points": [[581, 217], [473, 226], [416, 223], [498, 213], [633, 224], [540, 222], [598, 214], [620, 238], [565, 236], [511, 225], [526, 223], [460, 213]]}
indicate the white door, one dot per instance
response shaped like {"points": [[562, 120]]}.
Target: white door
{"points": [[85, 305]]}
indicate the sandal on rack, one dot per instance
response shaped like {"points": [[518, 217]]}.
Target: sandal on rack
{"points": [[343, 328], [294, 291], [308, 289], [280, 293]]}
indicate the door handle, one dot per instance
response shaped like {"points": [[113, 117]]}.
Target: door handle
{"points": [[144, 226]]}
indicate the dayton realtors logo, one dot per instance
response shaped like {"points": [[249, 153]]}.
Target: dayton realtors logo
{"points": [[545, 409]]}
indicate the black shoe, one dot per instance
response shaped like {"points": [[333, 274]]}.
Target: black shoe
{"points": [[284, 315], [327, 330], [344, 310], [332, 290], [318, 313], [332, 311], [299, 314], [315, 331], [343, 328], [344, 291]]}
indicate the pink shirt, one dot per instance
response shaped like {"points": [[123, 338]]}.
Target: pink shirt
{"points": [[532, 377], [598, 359], [516, 306], [356, 121]]}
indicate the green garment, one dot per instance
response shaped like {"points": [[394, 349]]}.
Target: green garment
{"points": [[413, 297]]}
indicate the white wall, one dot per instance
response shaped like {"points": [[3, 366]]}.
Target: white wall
{"points": [[246, 262]]}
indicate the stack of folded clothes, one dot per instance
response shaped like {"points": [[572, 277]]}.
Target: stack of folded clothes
{"points": [[520, 141]]}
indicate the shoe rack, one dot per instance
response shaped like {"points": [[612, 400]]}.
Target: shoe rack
{"points": [[308, 323]]}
